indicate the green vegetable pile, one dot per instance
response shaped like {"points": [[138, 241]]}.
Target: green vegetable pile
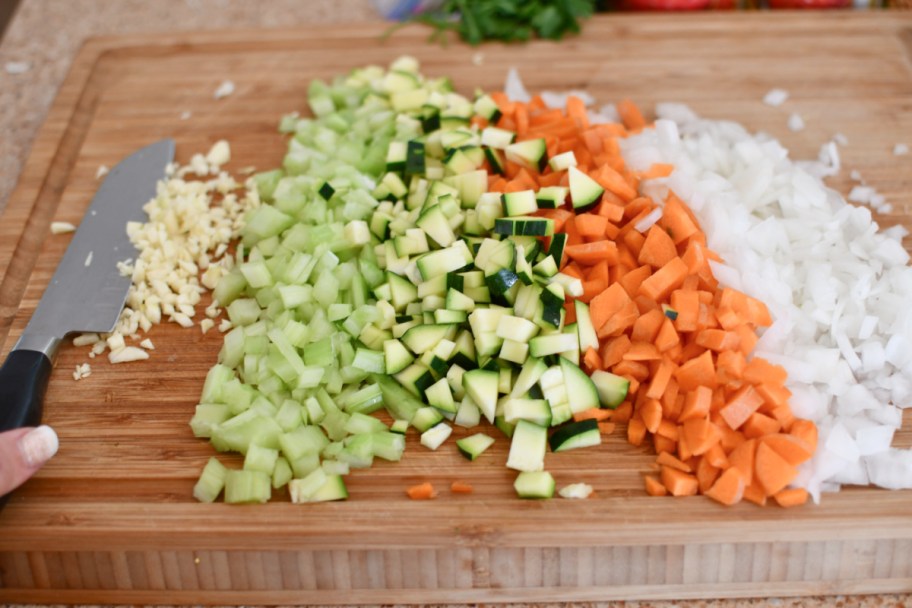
{"points": [[477, 21]]}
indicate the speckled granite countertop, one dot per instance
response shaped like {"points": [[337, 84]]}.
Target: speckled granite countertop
{"points": [[43, 39]]}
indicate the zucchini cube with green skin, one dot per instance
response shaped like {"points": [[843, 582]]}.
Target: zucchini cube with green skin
{"points": [[534, 484], [434, 437], [563, 161], [533, 410], [532, 153], [439, 395], [481, 386], [585, 192], [520, 203], [527, 447], [474, 445], [581, 434], [581, 391], [612, 389]]}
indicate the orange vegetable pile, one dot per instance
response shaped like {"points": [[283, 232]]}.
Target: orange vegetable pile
{"points": [[718, 418]]}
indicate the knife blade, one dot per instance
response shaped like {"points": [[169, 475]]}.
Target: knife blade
{"points": [[87, 291]]}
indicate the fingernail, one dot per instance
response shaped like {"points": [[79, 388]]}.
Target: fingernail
{"points": [[39, 445]]}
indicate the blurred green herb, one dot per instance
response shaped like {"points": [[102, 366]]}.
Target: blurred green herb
{"points": [[477, 21]]}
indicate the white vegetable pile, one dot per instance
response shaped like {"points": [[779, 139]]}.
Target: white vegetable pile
{"points": [[838, 290], [190, 226]]}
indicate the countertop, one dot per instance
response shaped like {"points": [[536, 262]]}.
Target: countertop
{"points": [[43, 39]]}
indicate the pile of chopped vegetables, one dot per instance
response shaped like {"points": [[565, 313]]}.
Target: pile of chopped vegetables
{"points": [[562, 274]]}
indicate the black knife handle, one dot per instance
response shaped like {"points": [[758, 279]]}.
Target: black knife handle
{"points": [[23, 381]]}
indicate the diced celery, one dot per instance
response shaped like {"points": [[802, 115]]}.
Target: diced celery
{"points": [[261, 459], [247, 487], [211, 481], [282, 473], [207, 416]]}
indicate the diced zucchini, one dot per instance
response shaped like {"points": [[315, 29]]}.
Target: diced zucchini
{"points": [[527, 447], [474, 445], [534, 484], [612, 389]]}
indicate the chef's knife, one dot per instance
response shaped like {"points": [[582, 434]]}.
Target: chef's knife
{"points": [[87, 291]]}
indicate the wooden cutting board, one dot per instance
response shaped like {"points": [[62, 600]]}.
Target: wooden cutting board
{"points": [[111, 518]]}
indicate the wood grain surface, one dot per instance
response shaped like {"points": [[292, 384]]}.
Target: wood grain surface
{"points": [[111, 518]]}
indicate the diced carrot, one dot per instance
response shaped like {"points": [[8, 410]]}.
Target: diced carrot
{"points": [[623, 412], [728, 489], [654, 487], [576, 110], [755, 494], [701, 435], [792, 449], [633, 239], [716, 457], [647, 326], [611, 180], [678, 482], [630, 115], [590, 225], [612, 350], [759, 425], [421, 491], [669, 430], [656, 171], [731, 363], [791, 497], [620, 320], [707, 474], [774, 395], [757, 313], [593, 413], [651, 414], [608, 209], [660, 379], [594, 252], [806, 431], [636, 432], [687, 305], [663, 281], [663, 444], [632, 280], [461, 487], [606, 304], [740, 407], [642, 351], [672, 400], [772, 470], [668, 460], [591, 360], [658, 248], [696, 372], [606, 428], [668, 337], [677, 220], [760, 371], [748, 338], [718, 340], [743, 457], [783, 414]]}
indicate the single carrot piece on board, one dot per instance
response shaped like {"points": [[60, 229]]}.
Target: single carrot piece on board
{"points": [[421, 491], [461, 487]]}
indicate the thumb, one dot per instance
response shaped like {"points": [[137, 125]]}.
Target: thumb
{"points": [[22, 452]]}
